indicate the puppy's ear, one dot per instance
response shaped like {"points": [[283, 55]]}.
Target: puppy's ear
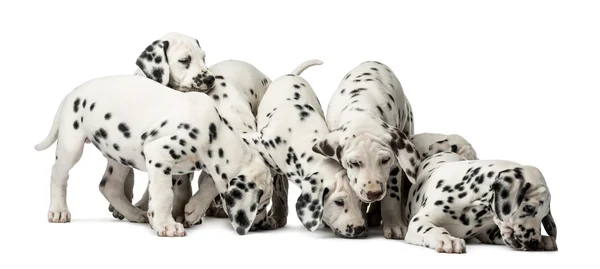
{"points": [[509, 191], [309, 206], [549, 224], [330, 146], [407, 154], [154, 63]]}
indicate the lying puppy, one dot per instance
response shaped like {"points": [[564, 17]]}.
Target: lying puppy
{"points": [[291, 120], [182, 129], [427, 144], [371, 121], [495, 201], [177, 61]]}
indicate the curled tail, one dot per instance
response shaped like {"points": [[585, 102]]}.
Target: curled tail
{"points": [[53, 134], [300, 68]]}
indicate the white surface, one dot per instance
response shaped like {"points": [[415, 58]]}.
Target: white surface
{"points": [[518, 79]]}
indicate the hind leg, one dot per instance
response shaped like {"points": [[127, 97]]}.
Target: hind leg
{"points": [[128, 193], [67, 155], [112, 187], [182, 191]]}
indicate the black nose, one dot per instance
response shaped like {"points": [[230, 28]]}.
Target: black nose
{"points": [[360, 230], [374, 195], [533, 244], [209, 81]]}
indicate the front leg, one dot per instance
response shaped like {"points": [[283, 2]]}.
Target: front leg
{"points": [[394, 226], [129, 182], [491, 236], [160, 205], [422, 232]]}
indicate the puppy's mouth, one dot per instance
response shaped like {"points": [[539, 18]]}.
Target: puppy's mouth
{"points": [[203, 89]]}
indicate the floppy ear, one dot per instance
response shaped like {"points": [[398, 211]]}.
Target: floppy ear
{"points": [[549, 224], [330, 146], [154, 63], [407, 154], [509, 191], [309, 206]]}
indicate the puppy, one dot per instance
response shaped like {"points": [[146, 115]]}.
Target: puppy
{"points": [[153, 135], [371, 122], [291, 121], [495, 201], [175, 60]]}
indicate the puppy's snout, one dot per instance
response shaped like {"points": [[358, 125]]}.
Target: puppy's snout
{"points": [[240, 231], [374, 195], [209, 81], [360, 231]]}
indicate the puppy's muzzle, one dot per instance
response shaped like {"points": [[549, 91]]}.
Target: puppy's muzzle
{"points": [[204, 82]]}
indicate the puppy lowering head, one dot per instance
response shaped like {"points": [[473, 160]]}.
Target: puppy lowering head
{"points": [[521, 206], [177, 60]]}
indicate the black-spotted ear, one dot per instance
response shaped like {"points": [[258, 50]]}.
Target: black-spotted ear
{"points": [[309, 206], [330, 146], [549, 225], [509, 189], [154, 63], [407, 154]]}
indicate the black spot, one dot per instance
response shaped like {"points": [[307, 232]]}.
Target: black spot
{"points": [[462, 194], [123, 128], [242, 219], [419, 229], [464, 219], [116, 146], [221, 153], [103, 181], [182, 142], [92, 106], [506, 208], [212, 130], [439, 202], [167, 171], [76, 125], [107, 116], [76, 105]]}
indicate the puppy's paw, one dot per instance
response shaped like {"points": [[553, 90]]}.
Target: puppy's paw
{"points": [[394, 231], [192, 215], [450, 244], [169, 229], [59, 216]]}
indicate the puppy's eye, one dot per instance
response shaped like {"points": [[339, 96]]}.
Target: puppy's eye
{"points": [[339, 202], [186, 60], [260, 194], [354, 163], [529, 209], [385, 160]]}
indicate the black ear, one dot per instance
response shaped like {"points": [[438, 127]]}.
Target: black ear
{"points": [[407, 154], [330, 146], [154, 63], [549, 225], [509, 191]]}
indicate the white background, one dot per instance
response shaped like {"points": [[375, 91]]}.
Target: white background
{"points": [[516, 78]]}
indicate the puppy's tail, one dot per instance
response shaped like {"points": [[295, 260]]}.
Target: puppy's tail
{"points": [[300, 68], [53, 134]]}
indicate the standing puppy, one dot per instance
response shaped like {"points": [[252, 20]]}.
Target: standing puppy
{"points": [[176, 61], [182, 129], [291, 121], [495, 201], [371, 123]]}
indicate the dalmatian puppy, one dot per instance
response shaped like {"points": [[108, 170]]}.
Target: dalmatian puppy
{"points": [[495, 201], [291, 121], [109, 112], [175, 60], [371, 122], [428, 144], [237, 91], [288, 153]]}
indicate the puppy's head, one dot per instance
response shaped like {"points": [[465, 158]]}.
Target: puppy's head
{"points": [[342, 207], [178, 61], [521, 205], [247, 197], [368, 159]]}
